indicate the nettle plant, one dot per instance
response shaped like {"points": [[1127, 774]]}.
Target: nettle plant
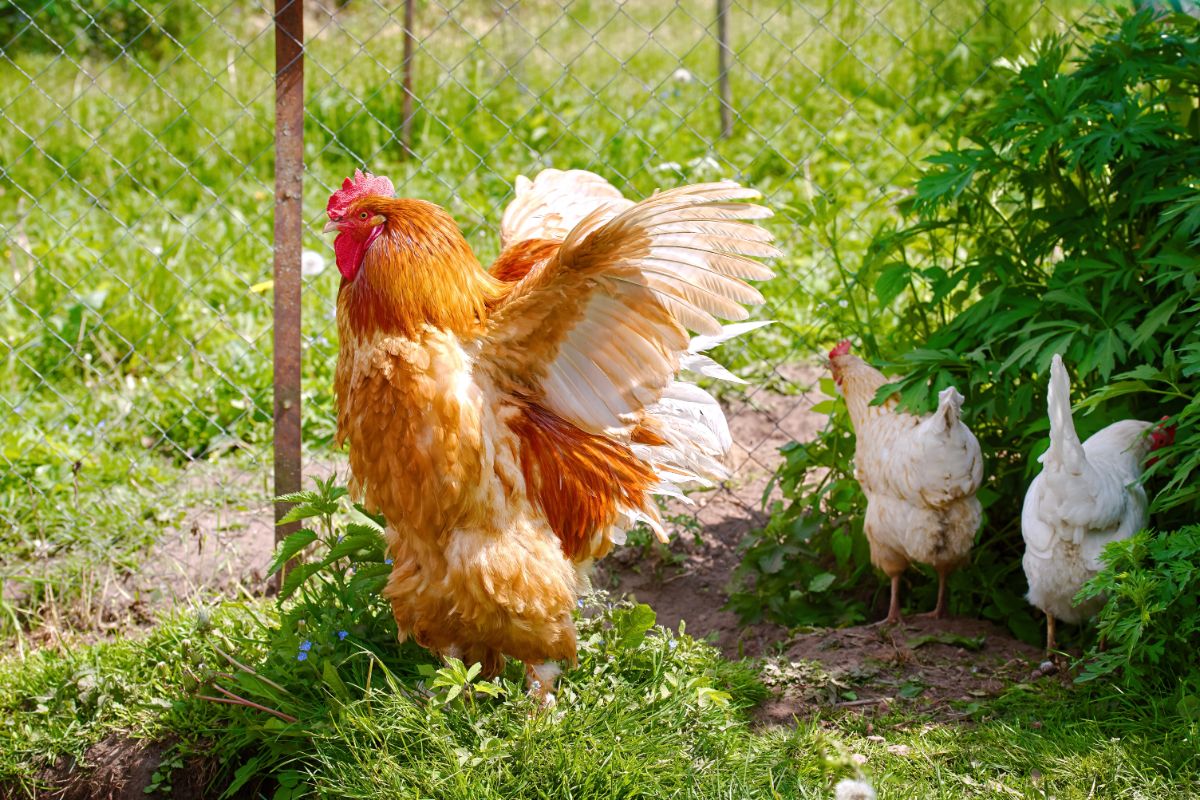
{"points": [[1067, 220], [1150, 625]]}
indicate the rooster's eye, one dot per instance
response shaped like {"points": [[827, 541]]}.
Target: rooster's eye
{"points": [[362, 215]]}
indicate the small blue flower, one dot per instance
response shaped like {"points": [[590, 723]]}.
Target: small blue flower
{"points": [[343, 635], [302, 656], [387, 561], [340, 539], [579, 603], [671, 645], [306, 645]]}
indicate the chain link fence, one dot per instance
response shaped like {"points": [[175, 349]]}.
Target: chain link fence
{"points": [[136, 205]]}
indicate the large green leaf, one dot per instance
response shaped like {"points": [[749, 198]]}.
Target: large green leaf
{"points": [[289, 547]]}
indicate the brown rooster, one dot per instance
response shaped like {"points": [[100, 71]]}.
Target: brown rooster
{"points": [[511, 424]]}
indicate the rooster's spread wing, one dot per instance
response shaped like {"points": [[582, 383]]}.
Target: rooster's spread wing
{"points": [[595, 332], [554, 202]]}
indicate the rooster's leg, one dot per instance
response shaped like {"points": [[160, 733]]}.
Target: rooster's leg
{"points": [[540, 679], [893, 617], [1050, 643]]}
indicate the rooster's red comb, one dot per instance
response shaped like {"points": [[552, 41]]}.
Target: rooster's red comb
{"points": [[363, 183], [842, 348]]}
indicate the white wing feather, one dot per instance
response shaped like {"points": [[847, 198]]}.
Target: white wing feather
{"points": [[554, 202]]}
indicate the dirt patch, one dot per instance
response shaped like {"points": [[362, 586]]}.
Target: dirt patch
{"points": [[120, 768], [690, 581], [221, 548], [937, 667]]}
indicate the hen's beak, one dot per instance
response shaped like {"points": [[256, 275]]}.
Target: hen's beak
{"points": [[330, 227]]}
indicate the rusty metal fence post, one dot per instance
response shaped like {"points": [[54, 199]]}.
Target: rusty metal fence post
{"points": [[407, 113], [289, 220], [724, 95]]}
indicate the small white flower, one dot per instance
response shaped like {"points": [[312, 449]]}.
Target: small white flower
{"points": [[682, 75], [311, 263], [853, 790], [842, 304], [668, 166], [705, 164]]}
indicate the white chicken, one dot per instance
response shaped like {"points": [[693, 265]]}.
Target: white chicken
{"points": [[1086, 496], [919, 474]]}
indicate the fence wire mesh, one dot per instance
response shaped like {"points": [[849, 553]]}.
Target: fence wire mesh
{"points": [[136, 171]]}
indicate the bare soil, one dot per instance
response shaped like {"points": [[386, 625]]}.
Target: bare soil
{"points": [[939, 668], [120, 768], [692, 583], [222, 548]]}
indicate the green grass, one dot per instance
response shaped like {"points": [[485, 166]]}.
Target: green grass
{"points": [[640, 719], [136, 198]]}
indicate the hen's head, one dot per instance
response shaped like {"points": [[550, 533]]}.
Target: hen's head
{"points": [[1162, 435], [842, 348], [354, 212]]}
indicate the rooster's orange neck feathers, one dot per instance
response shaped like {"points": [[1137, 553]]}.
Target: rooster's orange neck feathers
{"points": [[419, 272]]}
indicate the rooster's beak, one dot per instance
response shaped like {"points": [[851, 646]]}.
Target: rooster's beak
{"points": [[330, 227]]}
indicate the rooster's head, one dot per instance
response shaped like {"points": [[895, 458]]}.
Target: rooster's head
{"points": [[405, 264], [354, 215]]}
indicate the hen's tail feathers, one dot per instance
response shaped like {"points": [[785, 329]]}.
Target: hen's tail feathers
{"points": [[554, 202], [1065, 450], [949, 408]]}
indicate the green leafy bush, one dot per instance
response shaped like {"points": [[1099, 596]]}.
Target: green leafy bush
{"points": [[1066, 221], [1150, 625]]}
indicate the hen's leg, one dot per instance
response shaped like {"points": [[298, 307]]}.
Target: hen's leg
{"points": [[939, 611], [893, 617], [1050, 643], [540, 679]]}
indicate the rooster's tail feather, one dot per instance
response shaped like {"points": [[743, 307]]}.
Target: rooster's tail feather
{"points": [[692, 426]]}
